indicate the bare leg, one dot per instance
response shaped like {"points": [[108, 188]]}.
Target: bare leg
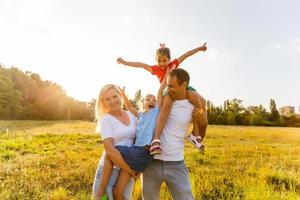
{"points": [[161, 121], [196, 99], [203, 125], [196, 130], [163, 115], [199, 102], [106, 173], [120, 187]]}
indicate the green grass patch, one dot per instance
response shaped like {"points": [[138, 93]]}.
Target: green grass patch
{"points": [[57, 160]]}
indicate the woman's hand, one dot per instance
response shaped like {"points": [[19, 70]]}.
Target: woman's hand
{"points": [[135, 174]]}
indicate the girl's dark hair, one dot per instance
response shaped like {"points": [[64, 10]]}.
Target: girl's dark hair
{"points": [[163, 51]]}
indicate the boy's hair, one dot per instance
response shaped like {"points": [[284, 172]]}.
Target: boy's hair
{"points": [[181, 75], [163, 51]]}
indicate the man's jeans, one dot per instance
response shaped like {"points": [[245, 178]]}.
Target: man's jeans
{"points": [[174, 173]]}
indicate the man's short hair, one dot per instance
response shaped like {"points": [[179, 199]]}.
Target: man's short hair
{"points": [[181, 75]]}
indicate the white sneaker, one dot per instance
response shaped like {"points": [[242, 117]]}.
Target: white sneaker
{"points": [[195, 143]]}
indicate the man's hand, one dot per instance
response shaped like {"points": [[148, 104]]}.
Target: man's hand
{"points": [[203, 47], [120, 60]]}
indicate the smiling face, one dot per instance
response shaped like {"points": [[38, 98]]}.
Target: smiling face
{"points": [[149, 102], [162, 61], [112, 100], [174, 88]]}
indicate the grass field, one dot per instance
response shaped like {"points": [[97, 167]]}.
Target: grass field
{"points": [[57, 160]]}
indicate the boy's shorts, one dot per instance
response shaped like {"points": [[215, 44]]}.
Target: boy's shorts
{"points": [[138, 158], [188, 88]]}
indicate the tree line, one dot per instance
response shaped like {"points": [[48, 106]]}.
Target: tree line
{"points": [[234, 113], [24, 95]]}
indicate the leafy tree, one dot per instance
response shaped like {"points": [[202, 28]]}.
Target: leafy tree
{"points": [[27, 96], [10, 99]]}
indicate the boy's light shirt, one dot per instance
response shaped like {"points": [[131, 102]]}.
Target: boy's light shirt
{"points": [[146, 126]]}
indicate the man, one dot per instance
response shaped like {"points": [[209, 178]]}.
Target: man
{"points": [[169, 166]]}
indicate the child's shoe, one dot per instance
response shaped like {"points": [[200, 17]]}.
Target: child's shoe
{"points": [[155, 148], [197, 145]]}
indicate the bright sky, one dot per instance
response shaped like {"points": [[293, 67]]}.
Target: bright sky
{"points": [[253, 46]]}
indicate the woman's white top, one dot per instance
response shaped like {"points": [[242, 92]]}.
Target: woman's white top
{"points": [[110, 127]]}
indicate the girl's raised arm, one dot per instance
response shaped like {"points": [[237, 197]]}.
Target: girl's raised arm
{"points": [[191, 52]]}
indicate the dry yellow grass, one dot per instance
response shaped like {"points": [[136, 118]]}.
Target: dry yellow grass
{"points": [[57, 160]]}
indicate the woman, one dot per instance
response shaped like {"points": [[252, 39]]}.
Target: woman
{"points": [[117, 127]]}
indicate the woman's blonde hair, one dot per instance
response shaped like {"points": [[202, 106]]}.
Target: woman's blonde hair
{"points": [[100, 107]]}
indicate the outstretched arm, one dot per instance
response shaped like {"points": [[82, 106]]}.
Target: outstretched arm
{"points": [[135, 64], [127, 104], [191, 52]]}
